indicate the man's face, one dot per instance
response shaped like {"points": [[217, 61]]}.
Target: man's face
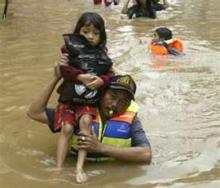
{"points": [[114, 102]]}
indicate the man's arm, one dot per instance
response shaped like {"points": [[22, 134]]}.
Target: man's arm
{"points": [[140, 153], [131, 154], [37, 109]]}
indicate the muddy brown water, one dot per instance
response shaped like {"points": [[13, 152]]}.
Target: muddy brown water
{"points": [[179, 98]]}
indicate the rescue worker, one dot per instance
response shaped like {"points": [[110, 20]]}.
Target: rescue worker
{"points": [[117, 132]]}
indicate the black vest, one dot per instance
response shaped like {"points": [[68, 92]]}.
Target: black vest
{"points": [[89, 59]]}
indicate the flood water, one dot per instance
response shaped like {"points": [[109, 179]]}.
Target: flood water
{"points": [[179, 98]]}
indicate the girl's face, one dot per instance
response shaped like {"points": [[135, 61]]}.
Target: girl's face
{"points": [[90, 33]]}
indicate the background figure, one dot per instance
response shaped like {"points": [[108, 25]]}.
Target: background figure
{"points": [[163, 43], [143, 8], [106, 2]]}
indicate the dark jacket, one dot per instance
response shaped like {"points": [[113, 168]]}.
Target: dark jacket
{"points": [[149, 11], [83, 58]]}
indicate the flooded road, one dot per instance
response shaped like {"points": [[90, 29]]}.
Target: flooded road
{"points": [[179, 98]]}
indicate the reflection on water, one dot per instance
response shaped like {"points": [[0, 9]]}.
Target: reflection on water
{"points": [[178, 97]]}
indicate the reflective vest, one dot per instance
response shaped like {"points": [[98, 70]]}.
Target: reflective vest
{"points": [[116, 131], [89, 59], [173, 46]]}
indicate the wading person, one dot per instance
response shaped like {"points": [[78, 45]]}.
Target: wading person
{"points": [[116, 133], [143, 8]]}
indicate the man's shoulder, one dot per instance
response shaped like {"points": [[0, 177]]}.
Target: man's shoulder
{"points": [[138, 135], [136, 123]]}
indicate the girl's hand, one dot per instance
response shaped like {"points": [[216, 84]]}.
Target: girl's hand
{"points": [[85, 78], [96, 83]]}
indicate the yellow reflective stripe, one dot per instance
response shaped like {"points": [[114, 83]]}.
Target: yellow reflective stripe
{"points": [[133, 107], [117, 142], [74, 141], [100, 126]]}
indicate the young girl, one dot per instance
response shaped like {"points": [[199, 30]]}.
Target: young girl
{"points": [[88, 72], [163, 43]]}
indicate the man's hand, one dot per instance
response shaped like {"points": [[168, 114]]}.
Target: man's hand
{"points": [[56, 73], [63, 59], [89, 142]]}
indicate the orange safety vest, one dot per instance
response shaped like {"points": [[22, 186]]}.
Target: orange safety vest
{"points": [[160, 49], [116, 132]]}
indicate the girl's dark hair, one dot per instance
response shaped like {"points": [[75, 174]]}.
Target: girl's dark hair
{"points": [[164, 33], [95, 19]]}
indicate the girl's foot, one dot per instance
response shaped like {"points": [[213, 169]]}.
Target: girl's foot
{"points": [[81, 176]]}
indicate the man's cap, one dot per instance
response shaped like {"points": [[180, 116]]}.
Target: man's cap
{"points": [[124, 82]]}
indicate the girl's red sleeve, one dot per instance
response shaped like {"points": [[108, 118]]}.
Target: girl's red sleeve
{"points": [[107, 77], [69, 73]]}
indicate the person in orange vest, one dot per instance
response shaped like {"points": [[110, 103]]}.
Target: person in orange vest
{"points": [[163, 43]]}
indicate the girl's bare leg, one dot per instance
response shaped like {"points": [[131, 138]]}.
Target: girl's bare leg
{"points": [[85, 124], [63, 143]]}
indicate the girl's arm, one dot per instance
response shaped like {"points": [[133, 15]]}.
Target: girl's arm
{"points": [[107, 77], [70, 73], [100, 81]]}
